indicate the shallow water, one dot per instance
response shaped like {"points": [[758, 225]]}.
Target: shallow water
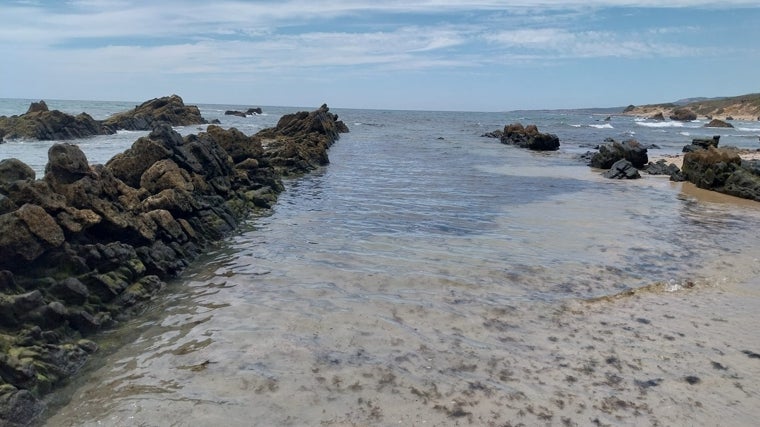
{"points": [[429, 276]]}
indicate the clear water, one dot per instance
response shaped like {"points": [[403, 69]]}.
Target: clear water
{"points": [[429, 276]]}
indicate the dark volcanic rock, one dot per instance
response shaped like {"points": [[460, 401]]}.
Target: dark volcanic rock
{"points": [[683, 114], [529, 137], [622, 169], [662, 167], [169, 109], [722, 170], [88, 244], [613, 151], [715, 123], [702, 144], [43, 124], [234, 113]]}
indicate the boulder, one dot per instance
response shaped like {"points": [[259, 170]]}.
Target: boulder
{"points": [[710, 168], [12, 170], [716, 123], [169, 109], [683, 114], [622, 169], [613, 151], [234, 113], [254, 110], [26, 234], [66, 163], [529, 137]]}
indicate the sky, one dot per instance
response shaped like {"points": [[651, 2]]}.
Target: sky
{"points": [[474, 55]]}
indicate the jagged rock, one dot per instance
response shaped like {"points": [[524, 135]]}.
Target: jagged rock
{"points": [[43, 124], [37, 107], [622, 169], [659, 117], [683, 114], [529, 137], [702, 144], [89, 243], [26, 234], [716, 123], [662, 167], [722, 170], [169, 109], [254, 110], [613, 151]]}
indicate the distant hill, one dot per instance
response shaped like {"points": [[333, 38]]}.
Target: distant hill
{"points": [[743, 107]]}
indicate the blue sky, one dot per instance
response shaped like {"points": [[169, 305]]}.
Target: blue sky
{"points": [[434, 55]]}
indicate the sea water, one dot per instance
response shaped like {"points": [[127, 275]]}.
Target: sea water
{"points": [[430, 276]]}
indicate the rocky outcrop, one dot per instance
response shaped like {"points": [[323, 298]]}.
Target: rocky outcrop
{"points": [[622, 169], [529, 137], [249, 112], [658, 116], [702, 144], [683, 114], [86, 245], [169, 109], [717, 123], [315, 132], [41, 123], [662, 167], [613, 151], [722, 170]]}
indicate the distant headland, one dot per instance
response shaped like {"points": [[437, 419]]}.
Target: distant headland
{"points": [[743, 107]]}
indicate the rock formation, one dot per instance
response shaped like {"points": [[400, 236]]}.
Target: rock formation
{"points": [[528, 137], [169, 109], [613, 151], [86, 245], [41, 123], [622, 169], [702, 144], [683, 114], [723, 170], [717, 123]]}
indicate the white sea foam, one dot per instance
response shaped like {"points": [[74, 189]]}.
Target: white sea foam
{"points": [[749, 129], [661, 124], [576, 126], [604, 126], [684, 133]]}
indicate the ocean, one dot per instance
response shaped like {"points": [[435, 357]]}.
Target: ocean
{"points": [[431, 276]]}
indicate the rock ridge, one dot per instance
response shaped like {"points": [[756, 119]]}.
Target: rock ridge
{"points": [[86, 245]]}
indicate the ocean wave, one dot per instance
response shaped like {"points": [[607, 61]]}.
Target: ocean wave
{"points": [[576, 126], [604, 126], [684, 133], [749, 129], [661, 124]]}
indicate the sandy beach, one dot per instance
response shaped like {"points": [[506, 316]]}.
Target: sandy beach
{"points": [[677, 159]]}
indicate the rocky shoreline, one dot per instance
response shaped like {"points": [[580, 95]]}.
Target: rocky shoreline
{"points": [[43, 124], [87, 245]]}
